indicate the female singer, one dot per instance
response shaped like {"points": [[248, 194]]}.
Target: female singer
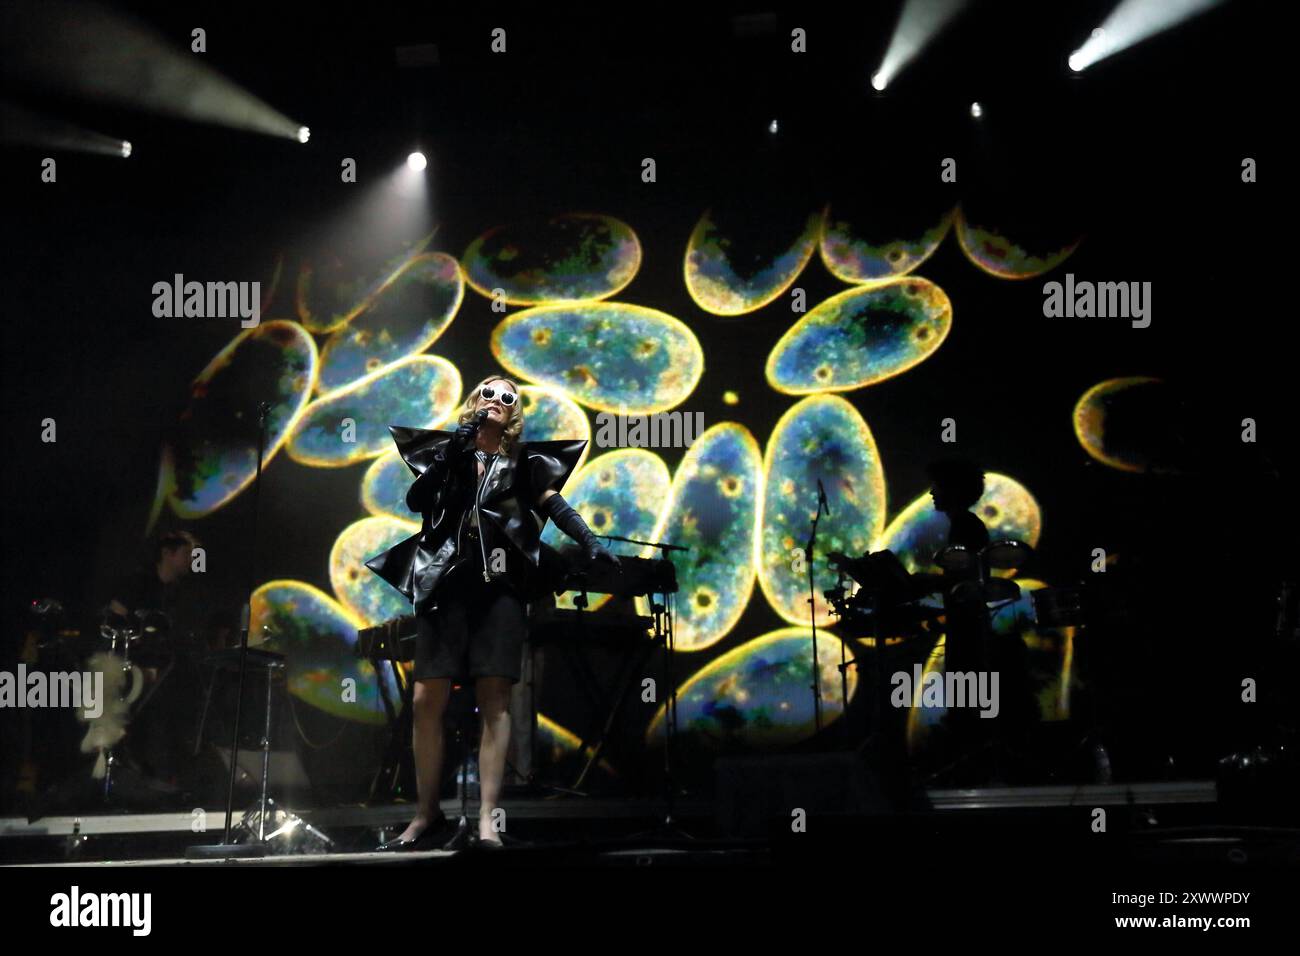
{"points": [[484, 496]]}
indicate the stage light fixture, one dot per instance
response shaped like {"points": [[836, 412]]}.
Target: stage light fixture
{"points": [[20, 125], [976, 110], [1131, 22], [416, 161], [919, 23], [304, 134], [86, 49]]}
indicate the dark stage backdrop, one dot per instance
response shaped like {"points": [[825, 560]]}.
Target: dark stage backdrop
{"points": [[703, 291]]}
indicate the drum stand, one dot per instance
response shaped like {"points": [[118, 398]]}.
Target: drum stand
{"points": [[152, 780], [110, 755]]}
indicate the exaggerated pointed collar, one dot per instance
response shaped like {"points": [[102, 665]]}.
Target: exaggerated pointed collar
{"points": [[417, 446]]}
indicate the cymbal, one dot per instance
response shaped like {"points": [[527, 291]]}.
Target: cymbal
{"points": [[1008, 555]]}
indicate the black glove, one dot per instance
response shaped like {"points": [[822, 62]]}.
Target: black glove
{"points": [[462, 439], [571, 523]]}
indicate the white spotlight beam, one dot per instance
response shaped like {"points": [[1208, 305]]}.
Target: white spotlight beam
{"points": [[1132, 22], [919, 22], [89, 50], [18, 125], [392, 212]]}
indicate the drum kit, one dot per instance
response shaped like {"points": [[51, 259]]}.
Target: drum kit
{"points": [[133, 654], [893, 607], [132, 645], [888, 599], [140, 638]]}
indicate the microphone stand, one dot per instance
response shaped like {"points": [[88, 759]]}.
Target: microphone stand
{"points": [[663, 619], [225, 849], [465, 836], [822, 505]]}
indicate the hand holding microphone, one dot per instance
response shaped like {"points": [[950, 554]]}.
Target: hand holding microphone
{"points": [[463, 438]]}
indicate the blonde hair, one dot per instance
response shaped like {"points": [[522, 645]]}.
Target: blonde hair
{"points": [[514, 426]]}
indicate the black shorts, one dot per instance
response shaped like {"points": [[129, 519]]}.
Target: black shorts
{"points": [[477, 630]]}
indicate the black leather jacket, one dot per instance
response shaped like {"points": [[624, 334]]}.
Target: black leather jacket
{"points": [[508, 517]]}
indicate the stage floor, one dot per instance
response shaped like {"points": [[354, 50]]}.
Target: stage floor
{"points": [[589, 829]]}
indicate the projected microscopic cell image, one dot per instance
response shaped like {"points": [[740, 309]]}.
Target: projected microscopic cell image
{"points": [[551, 415], [351, 424], [570, 257], [824, 438], [860, 337], [621, 492], [366, 595], [1134, 424], [211, 453], [712, 510], [407, 316], [318, 638], [608, 356], [1018, 251], [331, 289], [867, 242], [740, 258], [759, 695]]}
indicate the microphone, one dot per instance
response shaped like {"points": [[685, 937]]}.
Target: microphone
{"points": [[474, 424], [821, 498]]}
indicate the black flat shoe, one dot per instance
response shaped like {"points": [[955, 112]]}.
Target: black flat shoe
{"points": [[427, 840], [461, 839], [478, 843]]}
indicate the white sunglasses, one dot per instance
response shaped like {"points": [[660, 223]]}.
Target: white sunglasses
{"points": [[489, 393]]}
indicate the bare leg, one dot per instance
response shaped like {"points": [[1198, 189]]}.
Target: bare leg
{"points": [[493, 695], [427, 742]]}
